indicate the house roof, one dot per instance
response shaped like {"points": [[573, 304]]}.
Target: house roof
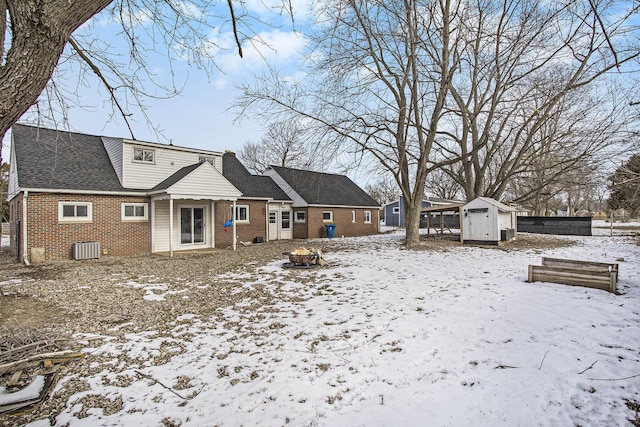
{"points": [[251, 185], [325, 189], [61, 160]]}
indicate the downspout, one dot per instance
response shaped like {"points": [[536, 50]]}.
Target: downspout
{"points": [[233, 226], [25, 257]]}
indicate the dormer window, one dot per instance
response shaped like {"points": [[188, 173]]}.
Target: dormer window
{"points": [[211, 160], [143, 155]]}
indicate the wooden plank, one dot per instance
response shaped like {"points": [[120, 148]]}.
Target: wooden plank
{"points": [[590, 278], [571, 263]]}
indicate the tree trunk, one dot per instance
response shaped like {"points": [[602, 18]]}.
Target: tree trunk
{"points": [[40, 30]]}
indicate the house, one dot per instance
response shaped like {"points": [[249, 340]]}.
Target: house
{"points": [[259, 194], [131, 197], [487, 221], [394, 215], [321, 199]]}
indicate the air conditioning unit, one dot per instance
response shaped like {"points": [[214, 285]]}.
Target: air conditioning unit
{"points": [[86, 250]]}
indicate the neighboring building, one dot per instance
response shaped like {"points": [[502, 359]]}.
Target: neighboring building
{"points": [[321, 199], [131, 197], [394, 215], [261, 199], [487, 221]]}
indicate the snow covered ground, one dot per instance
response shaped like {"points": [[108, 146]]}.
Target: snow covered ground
{"points": [[389, 337]]}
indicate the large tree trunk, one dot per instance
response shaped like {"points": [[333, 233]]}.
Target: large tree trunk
{"points": [[40, 30]]}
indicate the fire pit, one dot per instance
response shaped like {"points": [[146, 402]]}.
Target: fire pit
{"points": [[303, 257]]}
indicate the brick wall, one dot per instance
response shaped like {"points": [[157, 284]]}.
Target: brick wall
{"points": [[116, 236], [246, 232], [342, 218]]}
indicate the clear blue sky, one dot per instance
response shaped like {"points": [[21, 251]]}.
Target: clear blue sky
{"points": [[198, 117]]}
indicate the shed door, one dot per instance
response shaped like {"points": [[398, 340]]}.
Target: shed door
{"points": [[478, 224]]}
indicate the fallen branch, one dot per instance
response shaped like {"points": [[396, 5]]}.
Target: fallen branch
{"points": [[582, 372], [167, 387], [506, 367], [543, 357], [614, 379], [38, 357]]}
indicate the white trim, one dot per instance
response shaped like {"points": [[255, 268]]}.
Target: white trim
{"points": [[89, 192], [330, 216], [147, 162], [235, 211], [295, 217], [171, 147], [75, 219], [367, 213], [353, 216], [144, 217]]}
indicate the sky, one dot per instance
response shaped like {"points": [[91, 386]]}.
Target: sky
{"points": [[199, 116], [381, 336]]}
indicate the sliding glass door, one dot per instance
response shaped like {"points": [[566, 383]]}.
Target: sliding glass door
{"points": [[192, 225]]}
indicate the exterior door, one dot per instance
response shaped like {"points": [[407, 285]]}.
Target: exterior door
{"points": [[286, 229], [273, 224], [479, 224], [192, 226]]}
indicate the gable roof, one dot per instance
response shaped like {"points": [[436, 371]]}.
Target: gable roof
{"points": [[325, 189], [198, 181], [252, 186], [61, 160]]}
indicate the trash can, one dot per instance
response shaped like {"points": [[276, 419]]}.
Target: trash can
{"points": [[331, 230]]}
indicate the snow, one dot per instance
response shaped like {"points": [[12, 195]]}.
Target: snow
{"points": [[30, 392], [388, 337]]}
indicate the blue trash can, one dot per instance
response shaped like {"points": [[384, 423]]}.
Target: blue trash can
{"points": [[331, 230]]}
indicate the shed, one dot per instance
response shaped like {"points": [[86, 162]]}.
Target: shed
{"points": [[488, 222], [394, 211]]}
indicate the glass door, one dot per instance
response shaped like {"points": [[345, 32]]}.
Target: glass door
{"points": [[192, 226]]}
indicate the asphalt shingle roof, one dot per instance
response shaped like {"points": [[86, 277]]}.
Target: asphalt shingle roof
{"points": [[175, 177], [318, 188], [53, 159], [250, 185]]}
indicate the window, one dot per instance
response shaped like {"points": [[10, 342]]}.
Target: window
{"points": [[301, 216], [367, 217], [135, 212], [353, 216], [75, 212], [286, 219], [143, 155], [242, 213], [396, 210], [211, 160], [327, 216]]}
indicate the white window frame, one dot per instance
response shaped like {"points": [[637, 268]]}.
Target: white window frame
{"points": [[144, 217], [144, 150], [353, 216], [396, 210], [304, 216], [330, 216], [75, 218], [211, 160], [238, 209], [367, 217]]}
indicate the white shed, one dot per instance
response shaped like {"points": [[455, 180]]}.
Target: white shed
{"points": [[487, 221]]}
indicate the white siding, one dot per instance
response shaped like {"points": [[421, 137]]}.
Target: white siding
{"points": [[161, 228], [13, 188], [167, 162], [113, 146], [205, 182], [298, 202]]}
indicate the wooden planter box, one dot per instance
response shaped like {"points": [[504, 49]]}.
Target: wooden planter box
{"points": [[596, 275]]}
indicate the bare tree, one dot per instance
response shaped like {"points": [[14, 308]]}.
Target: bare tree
{"points": [[440, 184], [285, 144], [37, 36], [376, 86], [383, 190], [525, 102]]}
